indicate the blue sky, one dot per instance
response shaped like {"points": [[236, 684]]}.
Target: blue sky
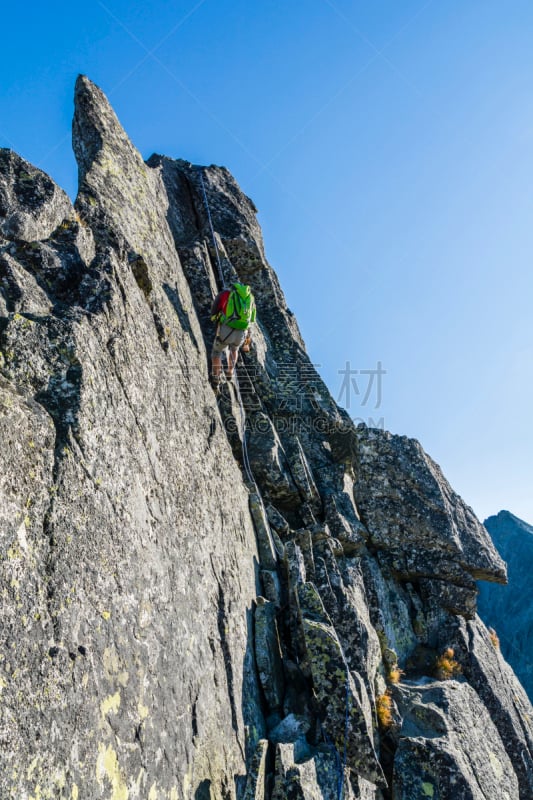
{"points": [[389, 148]]}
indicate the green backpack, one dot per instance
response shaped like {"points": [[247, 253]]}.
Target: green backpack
{"points": [[240, 309]]}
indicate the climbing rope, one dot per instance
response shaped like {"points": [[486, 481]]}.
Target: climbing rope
{"points": [[346, 725], [341, 765], [338, 763], [245, 457], [217, 253]]}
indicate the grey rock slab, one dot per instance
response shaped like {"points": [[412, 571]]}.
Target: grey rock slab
{"points": [[265, 542], [341, 700], [488, 673], [272, 587], [449, 746], [31, 204], [255, 788], [277, 520], [268, 653], [291, 728], [410, 509], [390, 609], [269, 462], [314, 779], [341, 587]]}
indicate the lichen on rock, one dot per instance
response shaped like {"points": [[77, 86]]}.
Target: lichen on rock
{"points": [[202, 597]]}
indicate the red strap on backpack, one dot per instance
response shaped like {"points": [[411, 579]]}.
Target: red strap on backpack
{"points": [[223, 302], [220, 303]]}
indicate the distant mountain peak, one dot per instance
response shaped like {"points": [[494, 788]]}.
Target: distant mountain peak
{"points": [[505, 519], [508, 610]]}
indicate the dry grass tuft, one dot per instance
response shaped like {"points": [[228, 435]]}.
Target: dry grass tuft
{"points": [[494, 638], [446, 666], [395, 674], [383, 708]]}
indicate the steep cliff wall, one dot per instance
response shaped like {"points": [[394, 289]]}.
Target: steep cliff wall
{"points": [[202, 598]]}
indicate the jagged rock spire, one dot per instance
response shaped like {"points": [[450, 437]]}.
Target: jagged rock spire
{"points": [[95, 127]]}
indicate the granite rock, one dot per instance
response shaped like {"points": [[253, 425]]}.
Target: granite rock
{"points": [[143, 521]]}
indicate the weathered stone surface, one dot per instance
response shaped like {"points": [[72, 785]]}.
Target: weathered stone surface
{"points": [[411, 511], [137, 672], [391, 610], [304, 781], [266, 546], [26, 480], [268, 653], [342, 591], [277, 520], [31, 204], [302, 473], [290, 729], [456, 599], [343, 705], [449, 746], [234, 215], [135, 540], [256, 782], [344, 525], [269, 462], [488, 673]]}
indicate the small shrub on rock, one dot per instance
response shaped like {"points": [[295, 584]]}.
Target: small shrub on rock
{"points": [[446, 666], [383, 708]]}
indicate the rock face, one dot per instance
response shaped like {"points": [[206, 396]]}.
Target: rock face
{"points": [[31, 205], [431, 760], [215, 598], [507, 609], [421, 528]]}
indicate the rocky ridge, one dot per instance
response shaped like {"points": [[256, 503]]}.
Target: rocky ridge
{"points": [[215, 599]]}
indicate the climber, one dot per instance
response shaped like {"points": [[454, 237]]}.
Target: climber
{"points": [[234, 311]]}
